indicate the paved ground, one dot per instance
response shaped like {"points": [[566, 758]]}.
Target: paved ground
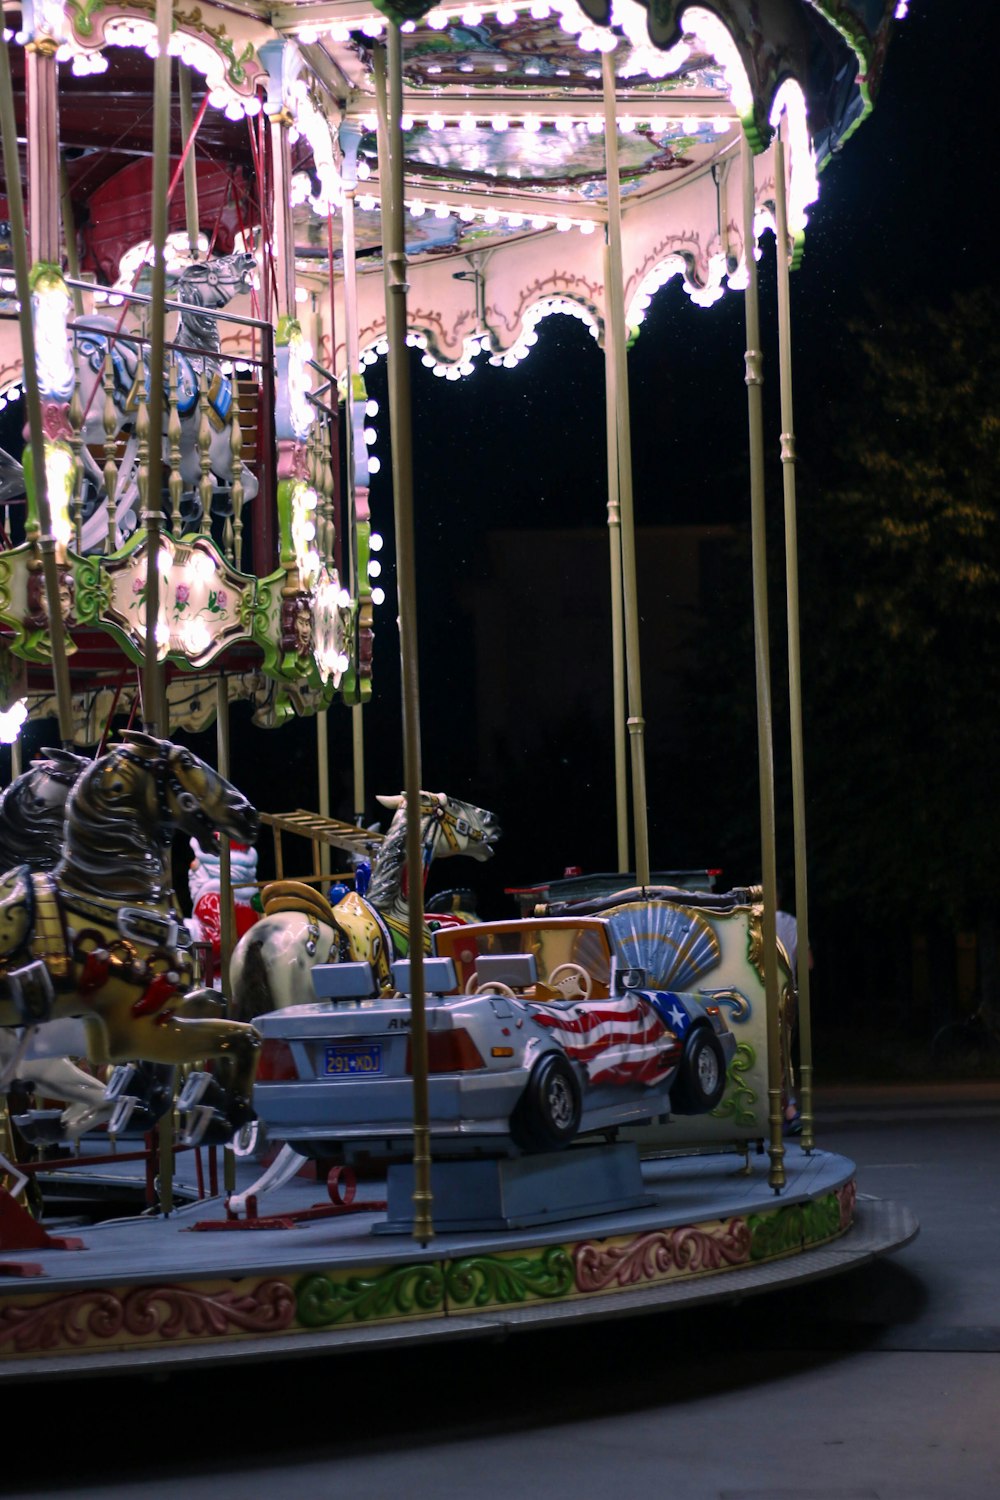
{"points": [[880, 1385]]}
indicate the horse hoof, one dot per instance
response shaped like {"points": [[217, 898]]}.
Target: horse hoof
{"points": [[205, 1126]]}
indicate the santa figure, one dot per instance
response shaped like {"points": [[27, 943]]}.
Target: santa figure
{"points": [[205, 922]]}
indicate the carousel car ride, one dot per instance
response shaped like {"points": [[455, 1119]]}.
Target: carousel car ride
{"points": [[538, 1032]]}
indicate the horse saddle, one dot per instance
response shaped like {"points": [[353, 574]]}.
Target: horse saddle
{"points": [[366, 934], [220, 393]]}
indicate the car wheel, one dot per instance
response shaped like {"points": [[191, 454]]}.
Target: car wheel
{"points": [[547, 1116], [701, 1075]]}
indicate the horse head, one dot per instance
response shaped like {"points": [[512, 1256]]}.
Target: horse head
{"points": [[213, 283], [188, 793], [458, 827]]}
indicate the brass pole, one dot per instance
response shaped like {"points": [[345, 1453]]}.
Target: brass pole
{"points": [[351, 365], [69, 239], [226, 914], [400, 419], [190, 165], [788, 460], [323, 773], [615, 327], [617, 601], [762, 660], [33, 399], [152, 681]]}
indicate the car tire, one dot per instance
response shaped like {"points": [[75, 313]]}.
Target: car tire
{"points": [[701, 1075], [547, 1116]]}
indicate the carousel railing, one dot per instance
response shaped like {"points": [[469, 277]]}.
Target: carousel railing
{"points": [[218, 455]]}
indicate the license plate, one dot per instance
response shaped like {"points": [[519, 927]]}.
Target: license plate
{"points": [[352, 1062]]}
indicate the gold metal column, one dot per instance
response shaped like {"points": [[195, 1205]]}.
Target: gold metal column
{"points": [[400, 418], [617, 602], [788, 459], [762, 661], [352, 364], [154, 712], [190, 165], [32, 396], [614, 331]]}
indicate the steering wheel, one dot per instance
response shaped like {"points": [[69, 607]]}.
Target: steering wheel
{"points": [[488, 987], [562, 974]]}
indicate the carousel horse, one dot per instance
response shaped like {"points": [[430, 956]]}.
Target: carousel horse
{"points": [[32, 811], [97, 936], [205, 286], [271, 966]]}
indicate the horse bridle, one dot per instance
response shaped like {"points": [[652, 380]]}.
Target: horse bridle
{"points": [[452, 825], [166, 781]]}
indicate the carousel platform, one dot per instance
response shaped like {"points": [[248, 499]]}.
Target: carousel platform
{"points": [[314, 1276]]}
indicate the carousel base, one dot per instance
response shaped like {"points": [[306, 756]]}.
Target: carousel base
{"points": [[311, 1276]]}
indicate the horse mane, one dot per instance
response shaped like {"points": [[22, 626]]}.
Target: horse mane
{"points": [[31, 829], [110, 850], [390, 862]]}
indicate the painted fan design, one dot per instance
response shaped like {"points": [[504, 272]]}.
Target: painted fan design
{"points": [[674, 945]]}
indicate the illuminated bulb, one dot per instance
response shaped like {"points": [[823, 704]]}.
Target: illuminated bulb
{"points": [[532, 124], [442, 211], [343, 599], [563, 224], [500, 123], [375, 541], [435, 122], [437, 20], [506, 15], [515, 220], [428, 361], [626, 124], [417, 209], [540, 10], [382, 347], [371, 408], [12, 718], [539, 221], [491, 216], [366, 203], [467, 124], [378, 596], [587, 227], [371, 436], [406, 122], [364, 171], [466, 214], [309, 36], [472, 16], [374, 464], [301, 295]]}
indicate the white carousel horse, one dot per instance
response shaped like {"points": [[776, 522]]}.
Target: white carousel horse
{"points": [[272, 964], [97, 936], [207, 285], [32, 812]]}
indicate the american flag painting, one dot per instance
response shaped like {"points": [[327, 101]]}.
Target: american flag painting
{"points": [[617, 1041]]}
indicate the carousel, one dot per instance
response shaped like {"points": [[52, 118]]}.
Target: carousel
{"points": [[222, 218]]}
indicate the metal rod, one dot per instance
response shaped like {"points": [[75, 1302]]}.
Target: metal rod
{"points": [[615, 329], [762, 661], [69, 238], [168, 306], [788, 461], [226, 914], [351, 364], [323, 770], [33, 399], [190, 166], [152, 681], [617, 603], [400, 418]]}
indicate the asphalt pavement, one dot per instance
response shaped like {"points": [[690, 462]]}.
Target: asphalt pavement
{"points": [[881, 1384]]}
